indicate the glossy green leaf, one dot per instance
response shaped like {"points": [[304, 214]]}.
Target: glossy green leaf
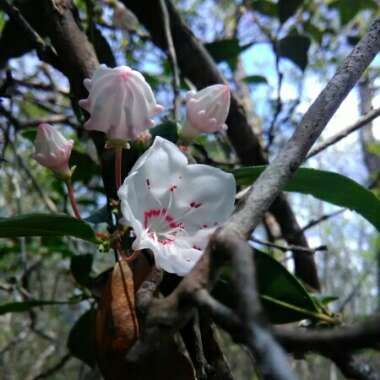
{"points": [[326, 186], [45, 225], [295, 48], [287, 8], [81, 340], [284, 298]]}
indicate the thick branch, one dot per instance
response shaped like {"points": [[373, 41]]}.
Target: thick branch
{"points": [[333, 341]]}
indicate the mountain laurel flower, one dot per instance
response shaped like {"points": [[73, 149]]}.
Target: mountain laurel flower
{"points": [[52, 150], [207, 110], [120, 102], [174, 206]]}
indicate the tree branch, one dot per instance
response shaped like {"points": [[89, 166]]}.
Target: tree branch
{"points": [[172, 58], [277, 174]]}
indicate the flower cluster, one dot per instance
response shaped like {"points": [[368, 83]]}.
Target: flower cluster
{"points": [[172, 206]]}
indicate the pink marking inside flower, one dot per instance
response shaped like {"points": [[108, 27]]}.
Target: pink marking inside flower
{"points": [[147, 181], [172, 188], [205, 226], [164, 241], [195, 205], [196, 247], [170, 222]]}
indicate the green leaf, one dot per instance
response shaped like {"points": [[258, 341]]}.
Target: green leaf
{"points": [[81, 340], [223, 50], [284, 298], [29, 133], [314, 32], [295, 47], [326, 186], [45, 225], [85, 167], [20, 307], [167, 130], [265, 7], [80, 266], [287, 8], [255, 79], [348, 10], [226, 50], [324, 299]]}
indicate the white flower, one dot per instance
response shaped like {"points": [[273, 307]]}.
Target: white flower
{"points": [[207, 110], [52, 150], [173, 206], [121, 103]]}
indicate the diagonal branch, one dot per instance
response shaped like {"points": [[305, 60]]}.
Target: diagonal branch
{"points": [[277, 174]]}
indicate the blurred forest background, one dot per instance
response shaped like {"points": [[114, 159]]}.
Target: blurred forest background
{"points": [[276, 57]]}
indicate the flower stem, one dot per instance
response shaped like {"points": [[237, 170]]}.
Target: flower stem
{"points": [[74, 205], [118, 160]]}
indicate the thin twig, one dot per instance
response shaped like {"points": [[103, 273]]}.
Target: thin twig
{"points": [[286, 248], [279, 105], [321, 219], [362, 122], [38, 42], [172, 58]]}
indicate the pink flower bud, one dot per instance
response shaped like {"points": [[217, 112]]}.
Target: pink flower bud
{"points": [[52, 150], [207, 110], [121, 103]]}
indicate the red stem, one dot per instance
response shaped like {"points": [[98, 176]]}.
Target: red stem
{"points": [[70, 192], [118, 160]]}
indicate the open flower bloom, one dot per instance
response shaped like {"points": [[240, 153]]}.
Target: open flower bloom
{"points": [[121, 103], [207, 110], [52, 150], [174, 206]]}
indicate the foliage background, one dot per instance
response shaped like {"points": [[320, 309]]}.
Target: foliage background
{"points": [[276, 56]]}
